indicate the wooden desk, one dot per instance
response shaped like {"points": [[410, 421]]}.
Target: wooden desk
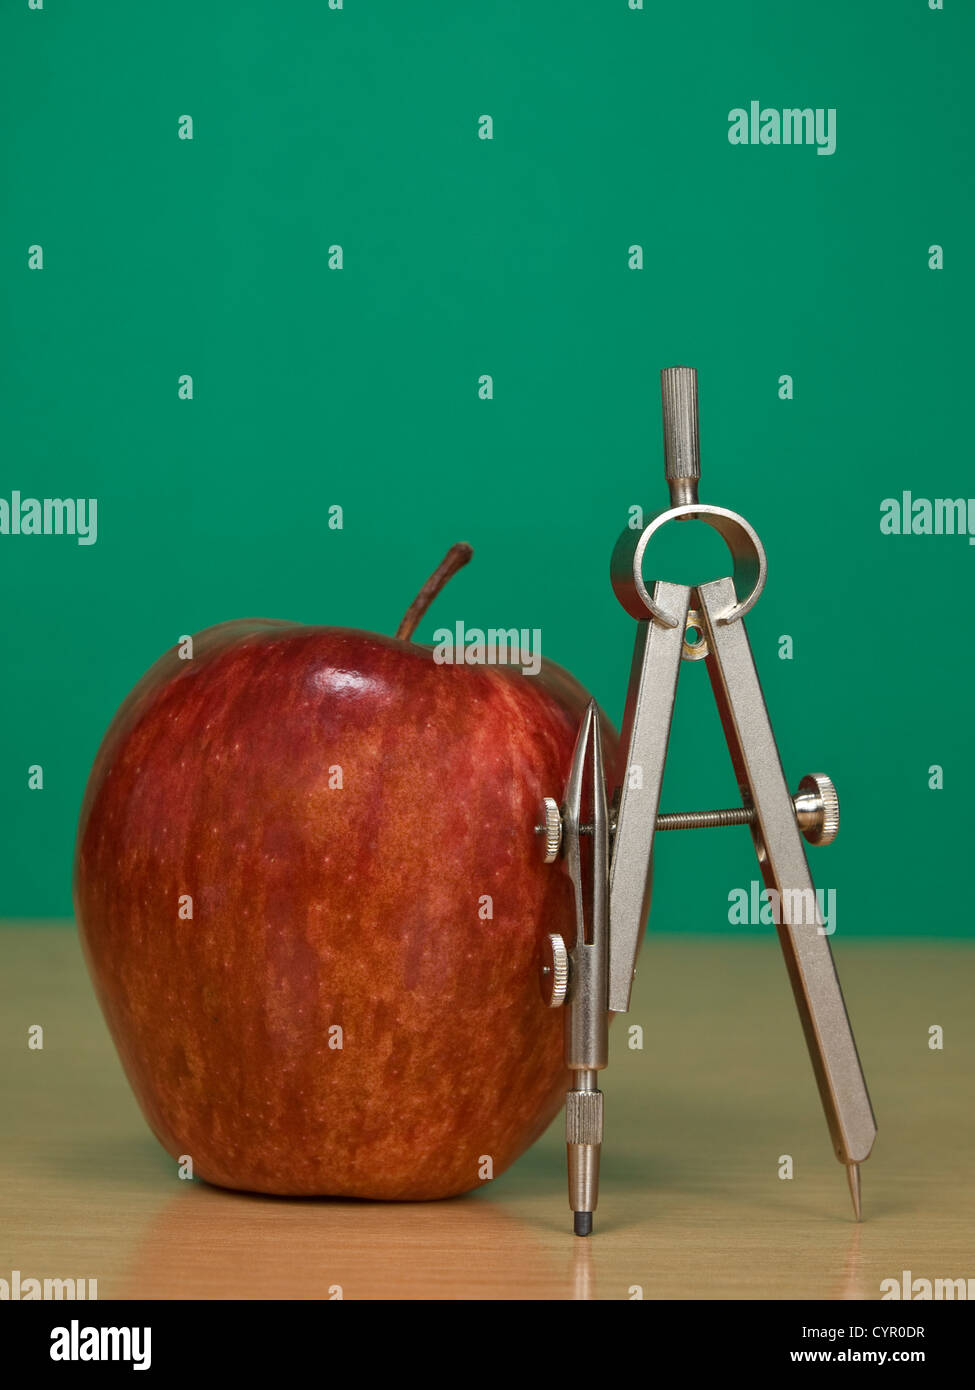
{"points": [[691, 1205]]}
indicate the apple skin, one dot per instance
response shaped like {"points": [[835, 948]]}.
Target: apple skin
{"points": [[315, 906]]}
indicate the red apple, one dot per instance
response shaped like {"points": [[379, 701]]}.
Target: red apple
{"points": [[352, 1008]]}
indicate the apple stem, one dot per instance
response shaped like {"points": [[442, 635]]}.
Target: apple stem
{"points": [[456, 558]]}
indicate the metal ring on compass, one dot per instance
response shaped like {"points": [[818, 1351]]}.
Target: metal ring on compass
{"points": [[747, 551]]}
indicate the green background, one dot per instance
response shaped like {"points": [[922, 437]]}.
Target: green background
{"points": [[464, 256]]}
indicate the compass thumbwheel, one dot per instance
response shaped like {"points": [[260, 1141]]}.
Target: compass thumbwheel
{"points": [[822, 821], [551, 829], [555, 971]]}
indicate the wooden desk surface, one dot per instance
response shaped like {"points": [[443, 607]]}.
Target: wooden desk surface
{"points": [[691, 1205]]}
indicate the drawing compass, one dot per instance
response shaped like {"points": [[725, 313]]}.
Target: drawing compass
{"points": [[603, 829]]}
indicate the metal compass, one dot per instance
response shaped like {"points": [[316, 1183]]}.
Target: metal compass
{"points": [[604, 826]]}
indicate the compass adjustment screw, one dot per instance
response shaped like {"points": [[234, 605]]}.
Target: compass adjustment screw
{"points": [[817, 809], [816, 803], [555, 971], [551, 829]]}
